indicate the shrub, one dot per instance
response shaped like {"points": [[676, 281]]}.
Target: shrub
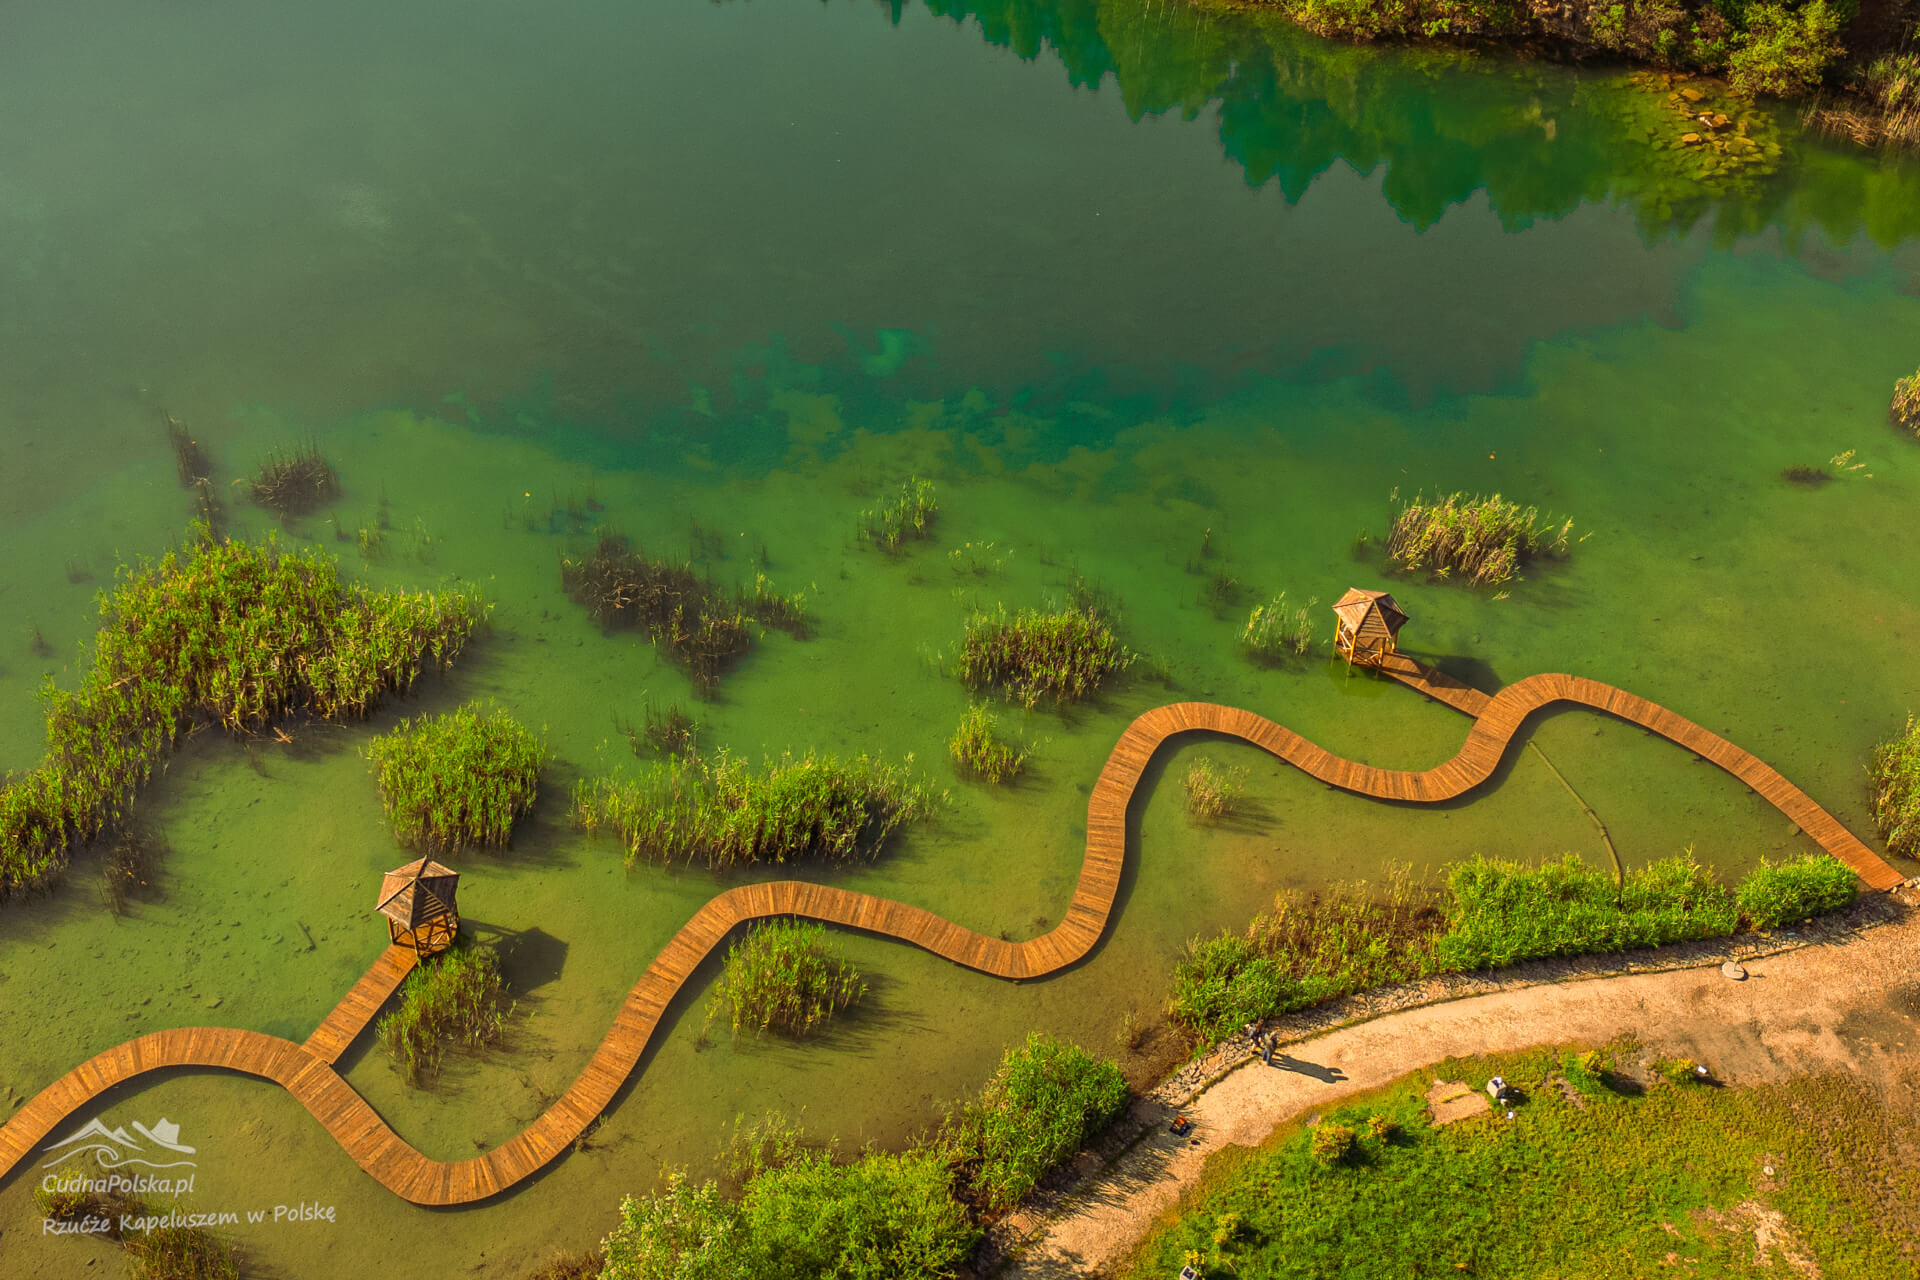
{"points": [[1060, 657], [1212, 791], [978, 751], [1334, 1143], [1894, 773], [1503, 912], [1797, 890], [1224, 983], [457, 779], [1047, 1099], [784, 975], [1785, 52], [1905, 406], [1482, 540], [682, 1232], [1273, 630], [456, 997], [878, 1217], [238, 635], [1384, 1128], [907, 518], [1679, 1071], [723, 813]]}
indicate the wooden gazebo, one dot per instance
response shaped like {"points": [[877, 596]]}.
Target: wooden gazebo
{"points": [[1369, 623], [419, 902]]}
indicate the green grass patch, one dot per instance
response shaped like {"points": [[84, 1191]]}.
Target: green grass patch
{"points": [[725, 813], [1483, 541], [783, 975], [906, 517], [1894, 773], [1773, 894], [227, 633], [1043, 1104], [978, 750], [457, 997], [1672, 1179], [456, 780], [1032, 657]]}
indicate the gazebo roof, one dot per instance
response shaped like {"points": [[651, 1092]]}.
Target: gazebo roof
{"points": [[420, 891], [1368, 614]]}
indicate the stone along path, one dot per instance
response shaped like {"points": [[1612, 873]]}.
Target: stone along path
{"points": [[307, 1071]]}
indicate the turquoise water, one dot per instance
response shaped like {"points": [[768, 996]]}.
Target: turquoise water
{"points": [[1117, 278]]}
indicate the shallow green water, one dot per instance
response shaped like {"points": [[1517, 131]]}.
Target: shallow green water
{"points": [[750, 266]]}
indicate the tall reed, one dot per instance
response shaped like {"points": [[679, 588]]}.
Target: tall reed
{"points": [[1274, 630], [906, 518], [783, 975], [1894, 774], [1061, 656], [458, 779], [1480, 540], [457, 997]]}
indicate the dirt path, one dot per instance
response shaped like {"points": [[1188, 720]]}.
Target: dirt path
{"points": [[1852, 1005]]}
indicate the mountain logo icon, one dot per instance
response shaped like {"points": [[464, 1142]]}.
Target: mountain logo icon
{"points": [[114, 1148]]}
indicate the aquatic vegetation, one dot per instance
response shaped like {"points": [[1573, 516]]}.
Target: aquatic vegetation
{"points": [[127, 870], [622, 587], [237, 635], [1033, 656], [157, 1249], [1043, 1104], [1213, 791], [787, 613], [568, 1265], [907, 518], [1904, 409], [456, 780], [457, 997], [189, 459], [668, 733], [1894, 774], [1274, 631], [783, 975], [295, 483], [1810, 477], [724, 813], [1480, 540], [978, 559], [1775, 894], [979, 751]]}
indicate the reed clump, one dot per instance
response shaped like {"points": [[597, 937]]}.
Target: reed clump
{"points": [[1033, 656], [1043, 1104], [978, 750], [1483, 541], [1213, 791], [156, 1247], [1275, 631], [294, 483], [907, 517], [786, 613], [783, 975], [1894, 773], [623, 587], [725, 813], [671, 732], [228, 633], [457, 780], [455, 998], [1904, 409]]}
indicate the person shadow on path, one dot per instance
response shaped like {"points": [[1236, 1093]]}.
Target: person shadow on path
{"points": [[1300, 1066]]}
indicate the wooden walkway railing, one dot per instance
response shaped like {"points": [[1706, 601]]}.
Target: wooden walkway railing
{"points": [[306, 1070]]}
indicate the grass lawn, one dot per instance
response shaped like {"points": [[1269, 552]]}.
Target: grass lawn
{"points": [[1608, 1175]]}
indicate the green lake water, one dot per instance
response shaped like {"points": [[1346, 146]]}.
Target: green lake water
{"points": [[1120, 279]]}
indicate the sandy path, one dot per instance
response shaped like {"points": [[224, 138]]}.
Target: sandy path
{"points": [[1852, 1005]]}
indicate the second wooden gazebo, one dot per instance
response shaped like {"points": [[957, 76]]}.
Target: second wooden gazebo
{"points": [[1369, 624], [420, 902]]}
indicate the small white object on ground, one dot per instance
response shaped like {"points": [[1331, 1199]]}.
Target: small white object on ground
{"points": [[1735, 971]]}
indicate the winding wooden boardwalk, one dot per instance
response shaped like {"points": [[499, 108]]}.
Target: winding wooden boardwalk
{"points": [[307, 1072]]}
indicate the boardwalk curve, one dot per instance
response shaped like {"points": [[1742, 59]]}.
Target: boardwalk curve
{"points": [[306, 1070]]}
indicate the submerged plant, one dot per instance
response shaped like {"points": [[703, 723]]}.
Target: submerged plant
{"points": [[457, 997], [786, 612], [1894, 773], [1905, 407], [1481, 540], [978, 751], [189, 459], [724, 813], [1274, 631], [295, 483], [229, 633], [908, 517], [1213, 791], [1062, 656], [784, 976], [622, 587], [454, 780], [669, 733], [1802, 474]]}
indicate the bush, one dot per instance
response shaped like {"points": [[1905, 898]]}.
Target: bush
{"points": [[1504, 912], [1212, 792], [978, 751], [238, 635], [1060, 657], [1384, 1128], [1680, 1071], [1223, 983], [725, 814], [1274, 631], [1800, 889], [1334, 1143], [784, 975], [683, 1232], [1047, 1099], [457, 779], [456, 997], [1894, 773], [1482, 541], [879, 1217], [1785, 52]]}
